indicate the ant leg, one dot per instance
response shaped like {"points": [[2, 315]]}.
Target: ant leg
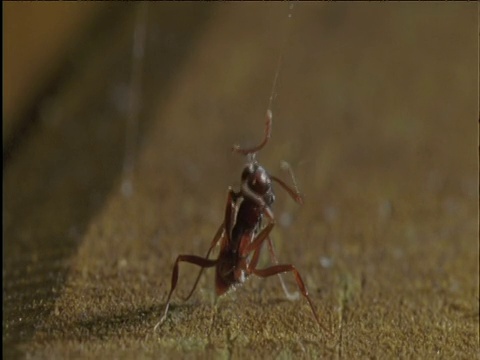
{"points": [[255, 246], [268, 132], [290, 296], [215, 240], [297, 197], [230, 209], [278, 269], [192, 259], [254, 261], [229, 216]]}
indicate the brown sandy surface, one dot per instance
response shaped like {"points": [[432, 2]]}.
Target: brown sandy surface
{"points": [[376, 111]]}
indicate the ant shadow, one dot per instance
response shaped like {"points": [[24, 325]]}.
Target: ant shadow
{"points": [[136, 323]]}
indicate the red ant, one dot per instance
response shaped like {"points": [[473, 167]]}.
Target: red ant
{"points": [[241, 234]]}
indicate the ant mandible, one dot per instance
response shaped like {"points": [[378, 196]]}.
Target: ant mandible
{"points": [[241, 234]]}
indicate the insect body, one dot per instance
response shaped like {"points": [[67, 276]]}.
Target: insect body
{"points": [[241, 234]]}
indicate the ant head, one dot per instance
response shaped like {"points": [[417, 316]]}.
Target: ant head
{"points": [[258, 181]]}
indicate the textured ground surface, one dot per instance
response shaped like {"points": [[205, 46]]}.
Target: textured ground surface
{"points": [[377, 112]]}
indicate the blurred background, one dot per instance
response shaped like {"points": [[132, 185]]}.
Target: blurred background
{"points": [[118, 124], [38, 40]]}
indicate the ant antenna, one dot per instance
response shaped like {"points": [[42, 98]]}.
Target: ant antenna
{"points": [[294, 193], [286, 166], [268, 133], [268, 123]]}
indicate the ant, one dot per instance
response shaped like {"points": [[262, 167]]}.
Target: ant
{"points": [[241, 234]]}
